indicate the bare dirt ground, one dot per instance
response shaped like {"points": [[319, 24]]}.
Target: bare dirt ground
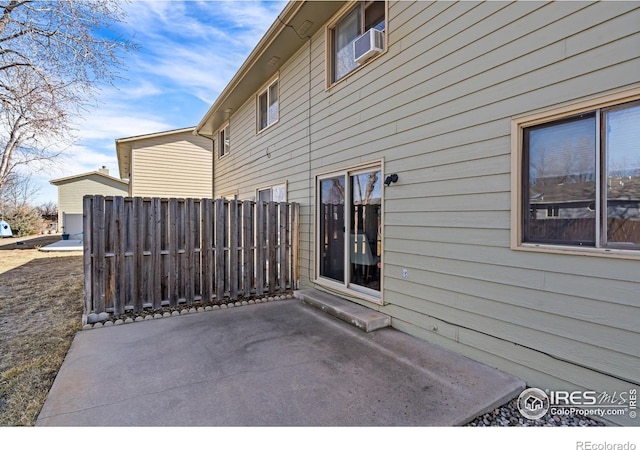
{"points": [[41, 297]]}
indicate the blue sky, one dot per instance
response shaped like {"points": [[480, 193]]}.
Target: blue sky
{"points": [[188, 52]]}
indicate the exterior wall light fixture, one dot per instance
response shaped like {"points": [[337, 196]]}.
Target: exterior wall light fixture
{"points": [[391, 179]]}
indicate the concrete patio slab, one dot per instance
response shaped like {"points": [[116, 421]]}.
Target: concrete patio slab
{"points": [[71, 245], [280, 363]]}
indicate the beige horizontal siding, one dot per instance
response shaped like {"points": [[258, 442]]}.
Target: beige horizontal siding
{"points": [[437, 109], [173, 165], [70, 193]]}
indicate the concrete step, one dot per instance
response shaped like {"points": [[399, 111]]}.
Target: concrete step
{"points": [[357, 315]]}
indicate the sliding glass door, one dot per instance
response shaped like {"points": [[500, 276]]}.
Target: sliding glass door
{"points": [[349, 232]]}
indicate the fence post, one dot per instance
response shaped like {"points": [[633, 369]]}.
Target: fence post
{"points": [[139, 221], [188, 267], [172, 288], [283, 240], [119, 255], [155, 234], [87, 229], [98, 231], [247, 247], [233, 250], [260, 248], [206, 250], [295, 246], [220, 256], [272, 249]]}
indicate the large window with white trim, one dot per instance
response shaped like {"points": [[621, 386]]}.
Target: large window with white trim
{"points": [[580, 180]]}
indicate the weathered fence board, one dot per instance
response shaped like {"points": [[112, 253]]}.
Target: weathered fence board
{"points": [[149, 253]]}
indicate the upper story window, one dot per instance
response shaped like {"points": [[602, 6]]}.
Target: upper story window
{"points": [[223, 142], [580, 179], [355, 23], [268, 105]]}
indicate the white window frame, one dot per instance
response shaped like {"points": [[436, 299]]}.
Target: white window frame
{"points": [[271, 188], [329, 39], [229, 196], [518, 125], [223, 135], [266, 91]]}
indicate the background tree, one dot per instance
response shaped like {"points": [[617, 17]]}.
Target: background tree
{"points": [[48, 211], [33, 120], [23, 218], [17, 192], [53, 55]]}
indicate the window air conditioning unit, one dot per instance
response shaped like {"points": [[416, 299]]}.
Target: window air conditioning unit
{"points": [[368, 45]]}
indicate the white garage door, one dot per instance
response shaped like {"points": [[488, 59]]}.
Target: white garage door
{"points": [[72, 225]]}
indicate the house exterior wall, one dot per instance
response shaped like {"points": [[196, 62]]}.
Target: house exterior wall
{"points": [[172, 165], [71, 192], [437, 110]]}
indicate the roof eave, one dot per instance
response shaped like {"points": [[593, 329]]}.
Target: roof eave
{"points": [[87, 174], [259, 65], [276, 28]]}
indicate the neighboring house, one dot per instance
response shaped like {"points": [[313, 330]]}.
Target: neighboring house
{"points": [[173, 163], [72, 189], [475, 107]]}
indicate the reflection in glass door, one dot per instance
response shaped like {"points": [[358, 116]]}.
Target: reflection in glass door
{"points": [[365, 224], [350, 242], [332, 222]]}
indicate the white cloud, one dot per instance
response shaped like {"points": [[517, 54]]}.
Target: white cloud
{"points": [[197, 46], [75, 160], [118, 122], [82, 159], [136, 89]]}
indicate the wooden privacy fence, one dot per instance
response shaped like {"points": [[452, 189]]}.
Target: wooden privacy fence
{"points": [[149, 253]]}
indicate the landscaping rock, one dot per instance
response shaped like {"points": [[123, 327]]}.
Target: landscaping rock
{"points": [[92, 318]]}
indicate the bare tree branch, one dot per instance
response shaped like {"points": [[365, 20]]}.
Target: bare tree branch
{"points": [[52, 55]]}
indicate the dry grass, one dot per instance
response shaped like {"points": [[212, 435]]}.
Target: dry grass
{"points": [[40, 311]]}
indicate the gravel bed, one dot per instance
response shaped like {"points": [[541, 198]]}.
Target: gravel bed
{"points": [[105, 320], [508, 416]]}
